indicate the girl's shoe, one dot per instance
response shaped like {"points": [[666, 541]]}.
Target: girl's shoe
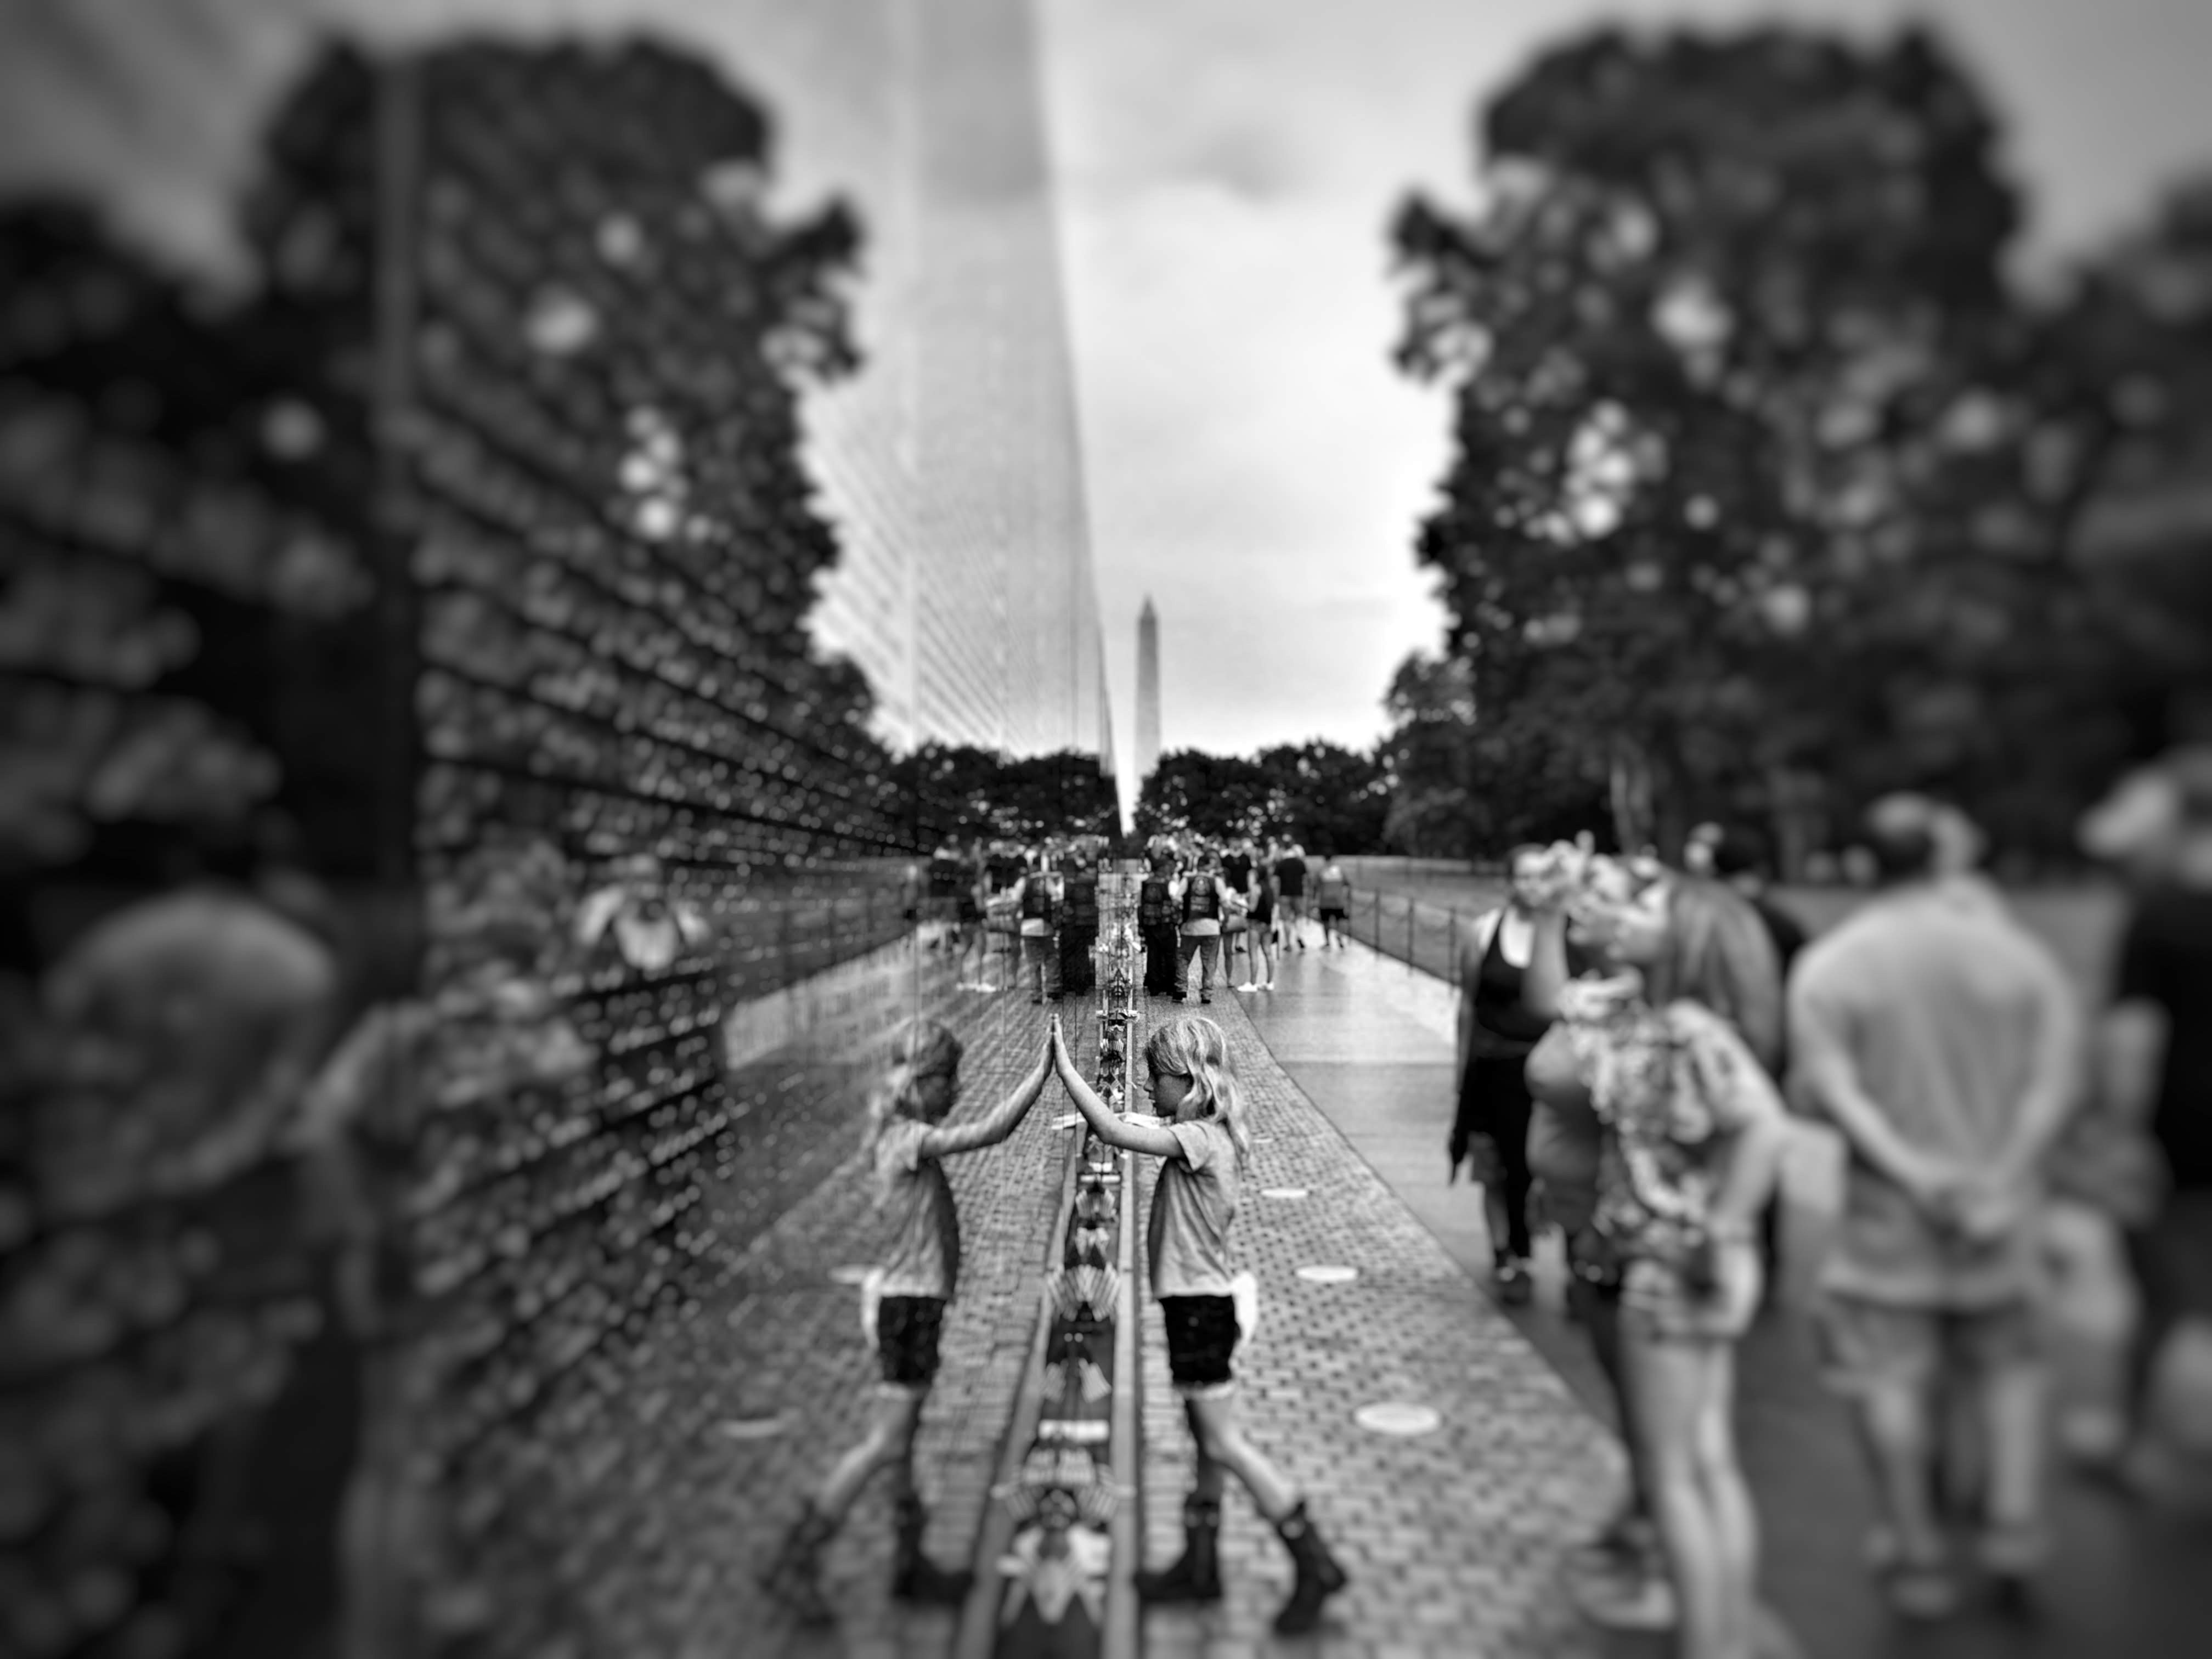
{"points": [[1247, 986], [1642, 1601], [793, 1576], [1269, 985], [1319, 1577], [914, 1576], [1515, 1286], [1914, 1589], [1196, 1574]]}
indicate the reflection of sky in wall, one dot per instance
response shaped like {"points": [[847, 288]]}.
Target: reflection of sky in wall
{"points": [[1227, 168]]}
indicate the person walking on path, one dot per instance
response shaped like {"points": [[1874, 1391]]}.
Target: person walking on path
{"points": [[1691, 1134], [1260, 931], [1497, 1030], [1203, 1148], [1078, 924], [1037, 902], [1290, 895], [907, 1140], [1202, 903], [1237, 867], [1942, 1040], [1333, 894], [1158, 925]]}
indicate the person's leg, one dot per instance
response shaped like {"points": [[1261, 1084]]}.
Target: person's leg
{"points": [[1886, 1361], [1319, 1575], [792, 1575], [1728, 1499], [1600, 1311], [1209, 962], [1195, 1575], [1669, 1383], [1051, 964], [1223, 1445], [888, 1445], [2157, 1313], [1184, 945], [2001, 1351], [1511, 1110]]}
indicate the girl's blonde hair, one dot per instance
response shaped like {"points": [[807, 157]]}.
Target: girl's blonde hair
{"points": [[921, 1072], [1192, 1046]]}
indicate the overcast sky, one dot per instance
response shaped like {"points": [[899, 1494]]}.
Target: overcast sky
{"points": [[1227, 169]]}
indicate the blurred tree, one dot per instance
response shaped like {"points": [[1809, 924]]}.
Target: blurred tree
{"points": [[2135, 334], [1761, 499], [1322, 795], [1464, 787], [1327, 797], [1193, 792], [963, 791]]}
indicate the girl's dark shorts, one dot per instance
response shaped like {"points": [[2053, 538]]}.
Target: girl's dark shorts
{"points": [[906, 1329], [1201, 1334]]}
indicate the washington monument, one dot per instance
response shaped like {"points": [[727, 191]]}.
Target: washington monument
{"points": [[1148, 690]]}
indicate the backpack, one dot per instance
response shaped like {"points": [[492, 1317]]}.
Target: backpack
{"points": [[1201, 899], [1154, 903]]}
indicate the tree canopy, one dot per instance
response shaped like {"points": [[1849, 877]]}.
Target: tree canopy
{"points": [[1766, 485], [1321, 795]]}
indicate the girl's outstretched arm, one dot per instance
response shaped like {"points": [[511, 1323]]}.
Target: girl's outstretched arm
{"points": [[996, 1125], [1132, 1137]]}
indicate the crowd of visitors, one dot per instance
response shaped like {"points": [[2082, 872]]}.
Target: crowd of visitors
{"points": [[1628, 1036], [1631, 1040], [1028, 915]]}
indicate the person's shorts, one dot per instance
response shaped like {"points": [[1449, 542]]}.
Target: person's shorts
{"points": [[1201, 1335], [906, 1329], [1865, 1345], [1595, 1268], [1657, 1301], [1332, 913]]}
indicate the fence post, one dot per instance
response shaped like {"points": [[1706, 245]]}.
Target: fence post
{"points": [[1412, 908], [1451, 947]]}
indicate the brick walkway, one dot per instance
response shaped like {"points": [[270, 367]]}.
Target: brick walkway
{"points": [[1452, 1537], [742, 1407]]}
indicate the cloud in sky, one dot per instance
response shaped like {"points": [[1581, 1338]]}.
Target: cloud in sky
{"points": [[1226, 170]]}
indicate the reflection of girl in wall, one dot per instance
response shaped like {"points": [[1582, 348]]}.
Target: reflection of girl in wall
{"points": [[907, 1141], [1203, 1148]]}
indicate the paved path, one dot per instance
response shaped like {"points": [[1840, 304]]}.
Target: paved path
{"points": [[2122, 1580], [1454, 1537]]}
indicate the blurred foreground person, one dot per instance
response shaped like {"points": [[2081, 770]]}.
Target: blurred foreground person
{"points": [[1158, 928], [1496, 1030], [1942, 1040], [1079, 922], [1666, 1059], [907, 1141], [1036, 901], [1332, 896], [2155, 1074]]}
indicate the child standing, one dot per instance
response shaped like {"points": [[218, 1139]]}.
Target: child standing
{"points": [[1204, 1146], [1260, 931], [907, 1141]]}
